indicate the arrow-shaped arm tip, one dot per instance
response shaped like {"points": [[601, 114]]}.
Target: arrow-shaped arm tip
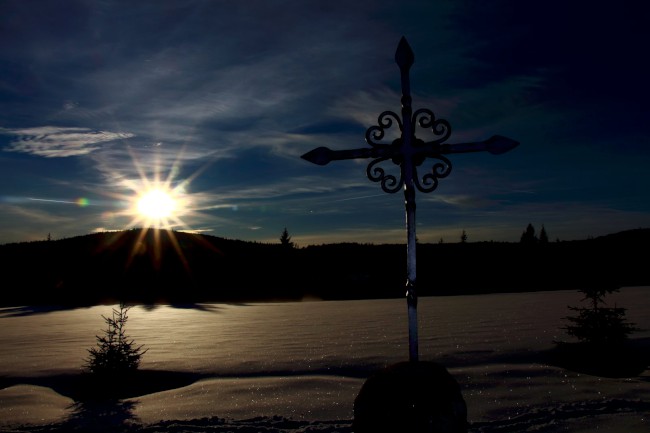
{"points": [[320, 156], [499, 144]]}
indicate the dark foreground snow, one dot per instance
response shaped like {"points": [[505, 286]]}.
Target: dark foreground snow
{"points": [[297, 367], [602, 416]]}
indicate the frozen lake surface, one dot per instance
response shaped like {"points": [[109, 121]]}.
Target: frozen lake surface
{"points": [[306, 361]]}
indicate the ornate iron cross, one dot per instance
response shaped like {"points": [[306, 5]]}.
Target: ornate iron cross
{"points": [[409, 152]]}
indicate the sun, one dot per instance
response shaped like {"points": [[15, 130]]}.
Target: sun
{"points": [[154, 195], [159, 200], [156, 205]]}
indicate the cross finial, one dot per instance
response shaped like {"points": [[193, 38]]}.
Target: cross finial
{"points": [[404, 56]]}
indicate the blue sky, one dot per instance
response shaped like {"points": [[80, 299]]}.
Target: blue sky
{"points": [[215, 101]]}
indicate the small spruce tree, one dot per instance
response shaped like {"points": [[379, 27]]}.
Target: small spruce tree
{"points": [[543, 236], [115, 352], [528, 236], [598, 325], [285, 239]]}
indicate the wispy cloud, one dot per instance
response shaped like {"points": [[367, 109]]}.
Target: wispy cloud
{"points": [[34, 215], [59, 142]]}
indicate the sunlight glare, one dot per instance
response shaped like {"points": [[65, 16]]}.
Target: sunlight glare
{"points": [[156, 204]]}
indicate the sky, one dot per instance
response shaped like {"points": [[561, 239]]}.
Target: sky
{"points": [[213, 102]]}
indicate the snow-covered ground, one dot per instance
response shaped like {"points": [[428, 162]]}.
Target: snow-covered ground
{"points": [[297, 367]]}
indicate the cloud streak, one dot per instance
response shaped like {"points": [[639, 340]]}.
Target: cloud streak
{"points": [[59, 142]]}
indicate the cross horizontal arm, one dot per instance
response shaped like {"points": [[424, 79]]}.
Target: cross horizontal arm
{"points": [[323, 155], [495, 145]]}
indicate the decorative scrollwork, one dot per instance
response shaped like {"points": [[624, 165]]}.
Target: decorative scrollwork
{"points": [[427, 119], [389, 182], [429, 181], [376, 133]]}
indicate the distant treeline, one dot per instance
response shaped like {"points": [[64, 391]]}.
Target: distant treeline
{"points": [[151, 266]]}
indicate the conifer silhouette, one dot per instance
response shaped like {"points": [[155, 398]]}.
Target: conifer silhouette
{"points": [[597, 324], [285, 239], [114, 353]]}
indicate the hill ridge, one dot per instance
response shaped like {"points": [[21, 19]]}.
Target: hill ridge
{"points": [[151, 266]]}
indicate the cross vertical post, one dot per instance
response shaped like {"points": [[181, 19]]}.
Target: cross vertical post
{"points": [[409, 152], [404, 59]]}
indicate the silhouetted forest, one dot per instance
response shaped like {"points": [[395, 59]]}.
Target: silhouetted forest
{"points": [[160, 266]]}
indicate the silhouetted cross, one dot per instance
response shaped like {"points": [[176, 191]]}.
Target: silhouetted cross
{"points": [[409, 152]]}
